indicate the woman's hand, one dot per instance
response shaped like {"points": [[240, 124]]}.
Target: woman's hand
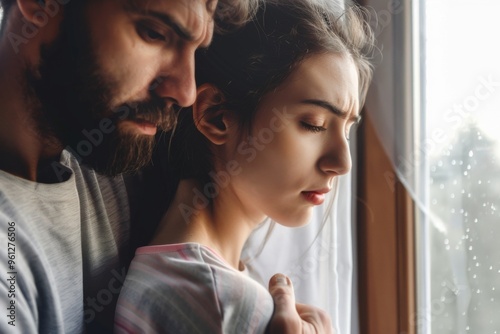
{"points": [[293, 318]]}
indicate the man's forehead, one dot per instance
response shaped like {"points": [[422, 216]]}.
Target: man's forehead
{"points": [[185, 10], [210, 5]]}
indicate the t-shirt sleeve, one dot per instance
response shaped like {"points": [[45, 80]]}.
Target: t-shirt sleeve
{"points": [[167, 296], [19, 314]]}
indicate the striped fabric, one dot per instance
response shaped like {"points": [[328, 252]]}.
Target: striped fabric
{"points": [[188, 288]]}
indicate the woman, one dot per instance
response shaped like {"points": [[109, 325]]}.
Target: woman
{"points": [[266, 138]]}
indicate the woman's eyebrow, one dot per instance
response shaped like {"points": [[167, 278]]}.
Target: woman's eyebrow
{"points": [[333, 109]]}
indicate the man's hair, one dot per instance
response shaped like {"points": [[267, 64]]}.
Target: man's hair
{"points": [[232, 14]]}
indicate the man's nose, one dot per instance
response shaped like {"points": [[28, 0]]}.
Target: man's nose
{"points": [[176, 81]]}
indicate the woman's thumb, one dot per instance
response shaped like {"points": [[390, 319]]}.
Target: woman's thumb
{"points": [[285, 318]]}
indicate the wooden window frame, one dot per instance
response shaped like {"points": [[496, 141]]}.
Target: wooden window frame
{"points": [[385, 242], [386, 214]]}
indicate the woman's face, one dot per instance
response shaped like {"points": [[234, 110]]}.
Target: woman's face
{"points": [[298, 141]]}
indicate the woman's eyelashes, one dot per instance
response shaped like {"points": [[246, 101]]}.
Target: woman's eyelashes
{"points": [[319, 128], [311, 127]]}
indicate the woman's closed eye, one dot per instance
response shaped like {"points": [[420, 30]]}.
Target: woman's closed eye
{"points": [[311, 127], [318, 128]]}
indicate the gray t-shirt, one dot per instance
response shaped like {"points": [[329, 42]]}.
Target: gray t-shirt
{"points": [[64, 246]]}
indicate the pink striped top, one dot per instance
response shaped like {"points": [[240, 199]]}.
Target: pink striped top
{"points": [[189, 288]]}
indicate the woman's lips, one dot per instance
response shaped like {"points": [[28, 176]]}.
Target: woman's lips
{"points": [[315, 197]]}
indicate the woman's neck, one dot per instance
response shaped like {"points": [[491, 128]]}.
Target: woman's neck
{"points": [[221, 223]]}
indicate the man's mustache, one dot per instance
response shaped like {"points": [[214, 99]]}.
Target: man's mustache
{"points": [[153, 110]]}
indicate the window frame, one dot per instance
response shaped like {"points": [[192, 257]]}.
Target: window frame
{"points": [[385, 242], [388, 246]]}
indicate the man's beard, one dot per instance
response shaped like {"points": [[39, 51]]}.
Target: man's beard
{"points": [[73, 97]]}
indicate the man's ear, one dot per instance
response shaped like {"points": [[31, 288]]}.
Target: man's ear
{"points": [[211, 120], [33, 11]]}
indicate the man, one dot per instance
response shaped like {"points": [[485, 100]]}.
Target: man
{"points": [[84, 85]]}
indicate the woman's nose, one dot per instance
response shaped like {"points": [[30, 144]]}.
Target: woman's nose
{"points": [[337, 158]]}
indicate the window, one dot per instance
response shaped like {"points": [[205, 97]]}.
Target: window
{"points": [[434, 110], [460, 270]]}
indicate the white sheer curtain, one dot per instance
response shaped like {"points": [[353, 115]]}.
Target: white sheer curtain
{"points": [[320, 266]]}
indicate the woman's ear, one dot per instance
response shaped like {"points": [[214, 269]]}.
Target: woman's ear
{"points": [[35, 11], [211, 121]]}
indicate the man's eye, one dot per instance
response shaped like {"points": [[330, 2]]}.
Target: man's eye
{"points": [[149, 34], [312, 128], [153, 35]]}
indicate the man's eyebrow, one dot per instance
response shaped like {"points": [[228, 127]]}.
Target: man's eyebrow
{"points": [[181, 31], [331, 108]]}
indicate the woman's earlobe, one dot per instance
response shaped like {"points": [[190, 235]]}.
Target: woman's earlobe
{"points": [[210, 117]]}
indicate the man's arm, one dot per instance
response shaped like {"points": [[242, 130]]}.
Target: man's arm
{"points": [[292, 318], [17, 315]]}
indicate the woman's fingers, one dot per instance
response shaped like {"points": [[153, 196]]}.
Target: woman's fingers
{"points": [[292, 318]]}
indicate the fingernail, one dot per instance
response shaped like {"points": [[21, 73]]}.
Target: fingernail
{"points": [[281, 280]]}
